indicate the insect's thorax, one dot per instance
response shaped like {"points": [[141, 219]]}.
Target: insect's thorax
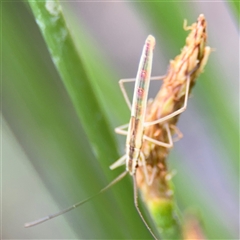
{"points": [[134, 143]]}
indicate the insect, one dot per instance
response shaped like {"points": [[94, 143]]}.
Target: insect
{"points": [[135, 132]]}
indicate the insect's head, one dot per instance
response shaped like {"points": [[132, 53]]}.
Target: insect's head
{"points": [[150, 42]]}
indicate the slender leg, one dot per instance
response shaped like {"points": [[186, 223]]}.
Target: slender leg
{"points": [[160, 143], [154, 172], [171, 115], [44, 219], [121, 84], [119, 130], [121, 161], [178, 133], [143, 161], [149, 180], [136, 206]]}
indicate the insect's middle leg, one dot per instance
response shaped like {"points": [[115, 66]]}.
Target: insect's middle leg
{"points": [[120, 130], [121, 161], [160, 143]]}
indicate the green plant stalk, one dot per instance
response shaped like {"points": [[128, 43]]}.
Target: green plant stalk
{"points": [[185, 67], [161, 211]]}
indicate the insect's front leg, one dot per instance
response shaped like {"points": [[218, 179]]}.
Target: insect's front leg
{"points": [[175, 113], [127, 80]]}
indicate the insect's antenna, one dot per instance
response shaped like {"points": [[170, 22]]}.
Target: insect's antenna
{"points": [[44, 219], [135, 190]]}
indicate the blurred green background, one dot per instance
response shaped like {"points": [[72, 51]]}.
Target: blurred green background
{"points": [[48, 161]]}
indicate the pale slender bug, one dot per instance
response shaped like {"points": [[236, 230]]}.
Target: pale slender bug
{"points": [[135, 133]]}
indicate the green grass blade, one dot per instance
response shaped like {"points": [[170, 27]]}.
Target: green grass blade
{"points": [[46, 126]]}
